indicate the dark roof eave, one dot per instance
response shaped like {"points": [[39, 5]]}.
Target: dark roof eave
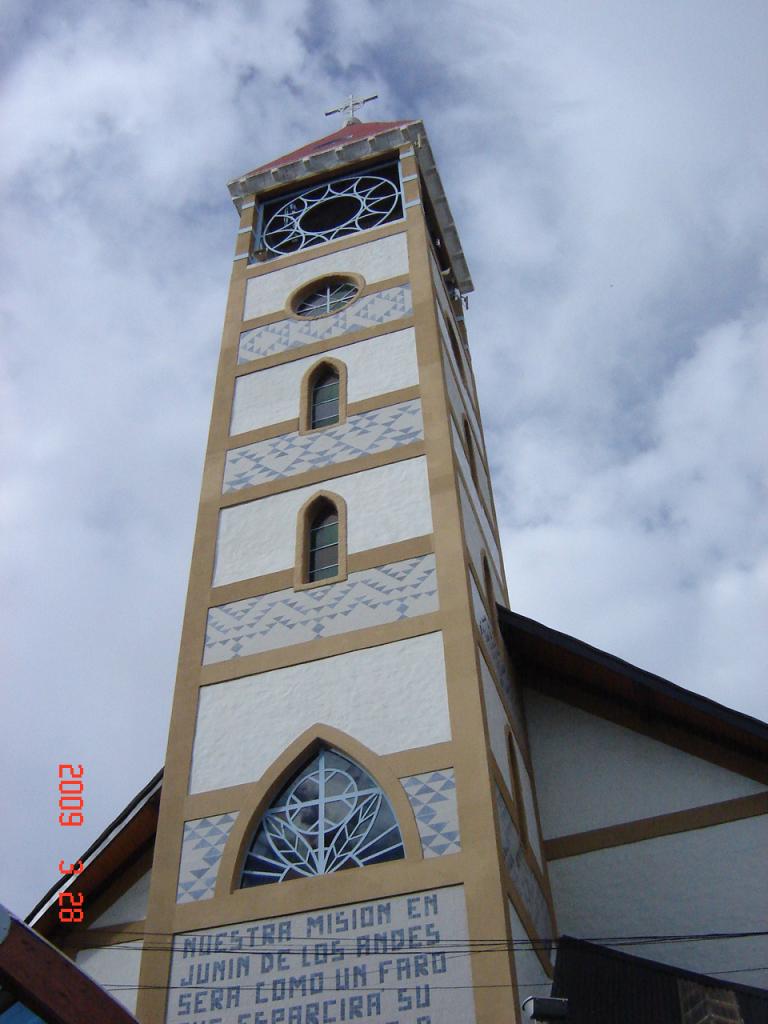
{"points": [[539, 644], [48, 982], [112, 830]]}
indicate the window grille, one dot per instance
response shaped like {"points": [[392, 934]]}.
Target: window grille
{"points": [[323, 547], [455, 345], [330, 817], [324, 398], [330, 210], [470, 451], [328, 296]]}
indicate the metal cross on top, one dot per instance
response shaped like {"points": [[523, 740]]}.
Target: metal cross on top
{"points": [[350, 108]]}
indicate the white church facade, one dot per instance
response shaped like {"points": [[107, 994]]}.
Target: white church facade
{"points": [[386, 796]]}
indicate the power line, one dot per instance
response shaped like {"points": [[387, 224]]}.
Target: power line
{"points": [[447, 948], [176, 940], [381, 988]]}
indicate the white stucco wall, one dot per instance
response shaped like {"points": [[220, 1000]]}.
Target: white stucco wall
{"points": [[529, 803], [591, 773], [390, 697], [497, 723], [113, 966], [374, 367], [473, 494], [374, 261], [458, 447], [458, 392], [532, 979], [457, 385], [384, 505], [703, 881], [481, 474], [478, 538], [131, 906]]}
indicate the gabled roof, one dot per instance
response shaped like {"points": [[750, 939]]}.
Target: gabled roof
{"points": [[45, 981], [349, 133], [575, 668], [120, 842], [615, 988]]}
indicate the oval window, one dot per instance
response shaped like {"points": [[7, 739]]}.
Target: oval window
{"points": [[324, 297]]}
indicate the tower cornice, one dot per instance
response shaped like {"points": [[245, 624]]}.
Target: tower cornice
{"points": [[349, 145]]}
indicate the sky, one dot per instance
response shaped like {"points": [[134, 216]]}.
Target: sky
{"points": [[606, 166]]}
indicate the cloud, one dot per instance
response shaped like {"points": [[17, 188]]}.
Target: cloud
{"points": [[605, 168], [659, 554]]}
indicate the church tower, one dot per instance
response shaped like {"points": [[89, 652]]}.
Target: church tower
{"points": [[348, 828]]}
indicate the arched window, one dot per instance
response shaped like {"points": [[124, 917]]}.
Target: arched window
{"points": [[324, 397], [469, 445], [490, 598], [323, 542], [456, 347], [330, 817], [490, 592], [514, 768]]}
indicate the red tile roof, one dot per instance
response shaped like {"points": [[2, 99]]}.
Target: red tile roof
{"points": [[349, 133]]}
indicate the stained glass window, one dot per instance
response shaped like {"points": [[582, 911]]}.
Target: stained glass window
{"points": [[330, 817], [323, 547]]}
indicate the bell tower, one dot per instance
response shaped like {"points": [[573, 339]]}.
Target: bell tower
{"points": [[348, 827]]}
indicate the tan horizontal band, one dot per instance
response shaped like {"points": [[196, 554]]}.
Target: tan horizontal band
{"points": [[357, 562], [323, 473], [396, 227], [284, 314], [319, 347], [326, 647], [653, 828], [353, 408]]}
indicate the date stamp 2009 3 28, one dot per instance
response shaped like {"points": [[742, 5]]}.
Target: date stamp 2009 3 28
{"points": [[71, 815]]}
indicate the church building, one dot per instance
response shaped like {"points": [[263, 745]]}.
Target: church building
{"points": [[386, 796]]}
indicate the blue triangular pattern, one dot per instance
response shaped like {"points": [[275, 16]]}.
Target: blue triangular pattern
{"points": [[378, 307], [437, 825], [203, 843], [384, 593], [441, 849]]}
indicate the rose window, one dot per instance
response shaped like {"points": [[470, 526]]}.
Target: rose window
{"points": [[332, 210]]}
